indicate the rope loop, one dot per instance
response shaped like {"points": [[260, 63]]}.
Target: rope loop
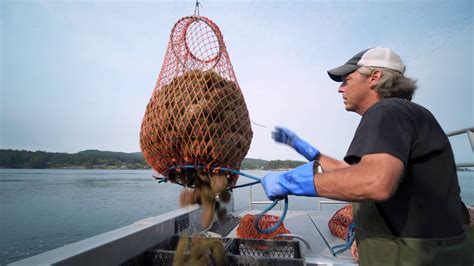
{"points": [[277, 224], [350, 233]]}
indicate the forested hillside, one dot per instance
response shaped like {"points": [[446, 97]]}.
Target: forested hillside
{"points": [[95, 159]]}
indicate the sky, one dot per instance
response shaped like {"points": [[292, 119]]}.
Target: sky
{"points": [[77, 75]]}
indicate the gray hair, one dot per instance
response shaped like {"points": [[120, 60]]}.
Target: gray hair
{"points": [[393, 84]]}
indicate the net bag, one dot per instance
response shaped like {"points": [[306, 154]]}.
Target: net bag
{"points": [[197, 114], [340, 221], [246, 228]]}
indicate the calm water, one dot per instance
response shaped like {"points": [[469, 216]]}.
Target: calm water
{"points": [[45, 209]]}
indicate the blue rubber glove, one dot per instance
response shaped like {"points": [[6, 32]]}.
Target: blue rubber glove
{"points": [[286, 136], [298, 181]]}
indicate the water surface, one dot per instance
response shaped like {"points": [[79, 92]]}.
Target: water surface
{"points": [[45, 209]]}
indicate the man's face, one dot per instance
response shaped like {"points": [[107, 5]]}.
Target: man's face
{"points": [[355, 89]]}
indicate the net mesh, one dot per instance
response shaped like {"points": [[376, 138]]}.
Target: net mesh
{"points": [[340, 221], [246, 228], [197, 114]]}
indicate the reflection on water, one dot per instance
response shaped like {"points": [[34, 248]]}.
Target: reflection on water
{"points": [[45, 209]]}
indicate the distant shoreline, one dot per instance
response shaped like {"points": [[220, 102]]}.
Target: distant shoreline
{"points": [[108, 160], [98, 168], [83, 168]]}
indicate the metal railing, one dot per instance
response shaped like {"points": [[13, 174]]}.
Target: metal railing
{"points": [[470, 134], [259, 202], [329, 202], [321, 201]]}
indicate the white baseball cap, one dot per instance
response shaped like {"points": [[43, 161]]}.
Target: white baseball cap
{"points": [[372, 57]]}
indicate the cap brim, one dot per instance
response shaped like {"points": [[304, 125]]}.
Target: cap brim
{"points": [[337, 73]]}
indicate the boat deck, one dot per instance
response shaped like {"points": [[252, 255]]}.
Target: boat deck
{"points": [[127, 245], [298, 223]]}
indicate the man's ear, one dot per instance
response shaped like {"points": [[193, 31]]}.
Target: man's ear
{"points": [[375, 78]]}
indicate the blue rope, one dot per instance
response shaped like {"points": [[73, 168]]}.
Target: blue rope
{"points": [[350, 233], [277, 224], [257, 180], [245, 185]]}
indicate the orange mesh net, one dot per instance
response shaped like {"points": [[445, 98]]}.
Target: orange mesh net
{"points": [[197, 114], [340, 221], [246, 228]]}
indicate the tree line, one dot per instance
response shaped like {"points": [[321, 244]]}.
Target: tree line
{"points": [[88, 159], [95, 159], [255, 164]]}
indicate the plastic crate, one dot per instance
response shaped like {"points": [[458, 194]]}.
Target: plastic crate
{"points": [[239, 252], [164, 253], [265, 248], [264, 252]]}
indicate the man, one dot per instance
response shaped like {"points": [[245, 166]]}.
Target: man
{"points": [[399, 169]]}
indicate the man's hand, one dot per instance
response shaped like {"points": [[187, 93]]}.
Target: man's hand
{"points": [[286, 136], [298, 181]]}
